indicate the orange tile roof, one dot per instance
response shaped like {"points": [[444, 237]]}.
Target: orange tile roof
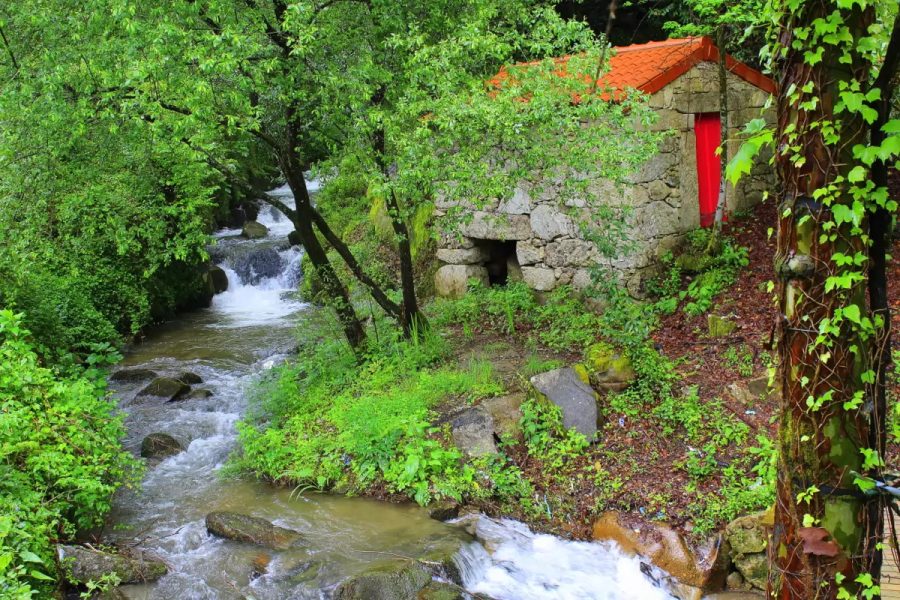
{"points": [[652, 66]]}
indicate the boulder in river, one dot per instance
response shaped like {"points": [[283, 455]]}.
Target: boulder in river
{"points": [[218, 279], [160, 445], [397, 580], [473, 432], [133, 375], [199, 394], [166, 388], [82, 565], [254, 230], [665, 548], [253, 530], [576, 399], [189, 377]]}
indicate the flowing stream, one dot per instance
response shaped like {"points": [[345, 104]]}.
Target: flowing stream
{"points": [[247, 329]]}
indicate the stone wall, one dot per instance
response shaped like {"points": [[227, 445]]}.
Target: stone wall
{"points": [[660, 201]]}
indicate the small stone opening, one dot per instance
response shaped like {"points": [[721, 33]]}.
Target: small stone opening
{"points": [[500, 261]]}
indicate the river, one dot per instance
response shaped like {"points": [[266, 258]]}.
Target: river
{"points": [[248, 328]]}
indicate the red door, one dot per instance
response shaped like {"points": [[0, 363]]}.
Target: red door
{"points": [[708, 131]]}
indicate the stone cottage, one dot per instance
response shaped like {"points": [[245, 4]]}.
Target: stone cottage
{"points": [[676, 191]]}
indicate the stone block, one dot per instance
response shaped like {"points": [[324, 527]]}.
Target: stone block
{"points": [[452, 281], [539, 278], [529, 254], [492, 226], [549, 223], [463, 256], [568, 253], [658, 190], [519, 204]]}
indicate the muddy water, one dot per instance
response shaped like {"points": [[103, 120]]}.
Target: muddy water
{"points": [[248, 329]]}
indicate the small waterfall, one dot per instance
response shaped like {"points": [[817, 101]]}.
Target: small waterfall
{"points": [[510, 562]]}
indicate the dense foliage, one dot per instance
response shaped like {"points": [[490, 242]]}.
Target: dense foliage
{"points": [[60, 458]]}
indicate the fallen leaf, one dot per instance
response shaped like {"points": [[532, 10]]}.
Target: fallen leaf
{"points": [[815, 541]]}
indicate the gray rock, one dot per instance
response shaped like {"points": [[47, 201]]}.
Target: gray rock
{"points": [[256, 264], [473, 432], [452, 281], [82, 565], [747, 539], [397, 580], [133, 375], [539, 278], [658, 190], [568, 253], [528, 254], [189, 378], [254, 231], [518, 204], [165, 387], [463, 256], [506, 412], [160, 445], [489, 226], [199, 394], [549, 223], [252, 530], [218, 280], [577, 401]]}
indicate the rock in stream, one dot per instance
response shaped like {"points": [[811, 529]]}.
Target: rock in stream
{"points": [[252, 530]]}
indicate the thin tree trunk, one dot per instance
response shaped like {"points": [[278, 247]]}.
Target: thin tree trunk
{"points": [[413, 320], [723, 120], [821, 519]]}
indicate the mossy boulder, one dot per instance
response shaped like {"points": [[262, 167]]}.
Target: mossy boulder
{"points": [[189, 377], [81, 565], [747, 539], [133, 375], [218, 279], [199, 394], [160, 445], [166, 388], [253, 230], [719, 326], [608, 369], [252, 530], [397, 580]]}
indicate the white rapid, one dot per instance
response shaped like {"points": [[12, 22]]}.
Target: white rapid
{"points": [[248, 328], [510, 562]]}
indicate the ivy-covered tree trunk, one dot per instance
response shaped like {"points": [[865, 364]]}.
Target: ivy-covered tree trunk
{"points": [[826, 530]]}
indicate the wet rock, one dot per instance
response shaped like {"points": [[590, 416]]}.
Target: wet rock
{"points": [[253, 230], [444, 510], [189, 378], [160, 445], [304, 572], [258, 264], [735, 582], [452, 281], [218, 280], [506, 412], [252, 530], [608, 368], [166, 388], [294, 238], [440, 590], [720, 326], [259, 566], [747, 539], [133, 375], [473, 432], [664, 547], [82, 565], [577, 401], [398, 580], [199, 394]]}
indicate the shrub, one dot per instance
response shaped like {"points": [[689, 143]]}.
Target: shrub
{"points": [[60, 459]]}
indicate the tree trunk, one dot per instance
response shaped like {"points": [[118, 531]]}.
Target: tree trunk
{"points": [[413, 319], [823, 529], [723, 119], [331, 283]]}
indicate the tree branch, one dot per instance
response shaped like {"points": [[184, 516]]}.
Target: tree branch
{"points": [[390, 307], [12, 56]]}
